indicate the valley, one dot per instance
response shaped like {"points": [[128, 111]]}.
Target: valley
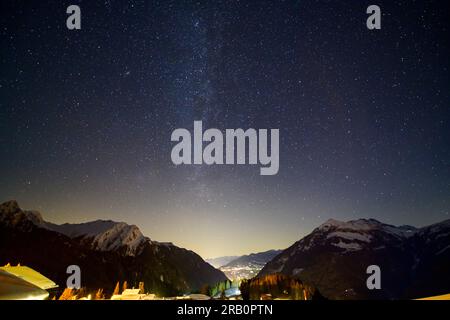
{"points": [[328, 263]]}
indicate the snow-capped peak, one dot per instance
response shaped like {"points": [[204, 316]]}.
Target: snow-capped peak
{"points": [[366, 225], [360, 224], [100, 234], [354, 235], [104, 235], [120, 234]]}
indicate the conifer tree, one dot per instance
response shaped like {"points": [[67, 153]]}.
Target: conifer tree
{"points": [[117, 289], [67, 294], [99, 294]]}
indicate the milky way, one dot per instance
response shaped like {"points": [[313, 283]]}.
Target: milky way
{"points": [[86, 116]]}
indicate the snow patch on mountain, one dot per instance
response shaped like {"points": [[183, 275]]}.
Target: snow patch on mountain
{"points": [[352, 246], [360, 224], [104, 235], [401, 232], [350, 236], [296, 271], [363, 227]]}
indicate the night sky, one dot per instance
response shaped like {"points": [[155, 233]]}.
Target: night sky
{"points": [[86, 116]]}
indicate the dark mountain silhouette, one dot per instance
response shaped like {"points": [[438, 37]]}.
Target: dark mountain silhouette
{"points": [[254, 259], [414, 262], [248, 266], [220, 261], [106, 252]]}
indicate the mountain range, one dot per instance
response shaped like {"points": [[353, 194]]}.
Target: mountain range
{"points": [[414, 262], [106, 252], [256, 259], [248, 266], [332, 259], [220, 261]]}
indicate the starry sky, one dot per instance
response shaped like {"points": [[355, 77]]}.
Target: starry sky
{"points": [[86, 116]]}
